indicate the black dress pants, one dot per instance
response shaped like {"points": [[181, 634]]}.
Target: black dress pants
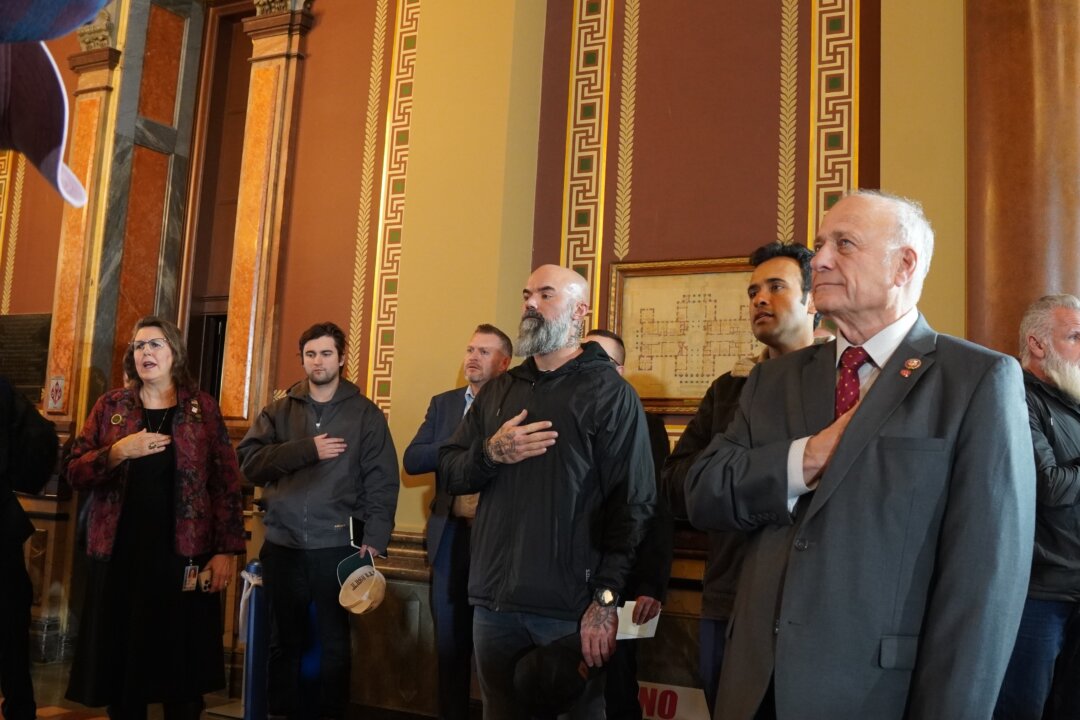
{"points": [[302, 590], [15, 601]]}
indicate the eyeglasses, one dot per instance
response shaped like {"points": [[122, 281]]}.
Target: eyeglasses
{"points": [[154, 344]]}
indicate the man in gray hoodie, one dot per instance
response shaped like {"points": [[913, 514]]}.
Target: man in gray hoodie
{"points": [[325, 458]]}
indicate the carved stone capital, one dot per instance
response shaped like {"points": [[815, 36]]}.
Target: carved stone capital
{"points": [[97, 35], [268, 7]]}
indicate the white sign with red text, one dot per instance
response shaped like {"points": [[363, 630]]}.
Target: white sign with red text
{"points": [[672, 702]]}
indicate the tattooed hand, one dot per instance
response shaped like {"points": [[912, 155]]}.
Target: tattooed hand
{"points": [[598, 626], [515, 442]]}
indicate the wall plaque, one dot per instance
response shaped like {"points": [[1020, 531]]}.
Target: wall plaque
{"points": [[24, 350]]}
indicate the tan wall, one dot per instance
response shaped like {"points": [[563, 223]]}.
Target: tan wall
{"points": [[467, 237], [922, 137]]}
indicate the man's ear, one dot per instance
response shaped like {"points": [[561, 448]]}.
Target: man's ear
{"points": [[1035, 348], [907, 261], [581, 310]]}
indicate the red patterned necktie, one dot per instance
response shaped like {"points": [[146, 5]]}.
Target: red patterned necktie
{"points": [[847, 384]]}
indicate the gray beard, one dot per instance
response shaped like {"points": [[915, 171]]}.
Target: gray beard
{"points": [[1063, 375], [537, 336]]}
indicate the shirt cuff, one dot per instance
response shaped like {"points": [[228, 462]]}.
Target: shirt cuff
{"points": [[795, 484]]}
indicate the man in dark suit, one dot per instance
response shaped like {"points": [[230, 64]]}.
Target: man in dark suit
{"points": [[487, 356], [888, 485]]}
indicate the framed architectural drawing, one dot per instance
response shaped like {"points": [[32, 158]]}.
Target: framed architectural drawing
{"points": [[684, 324]]}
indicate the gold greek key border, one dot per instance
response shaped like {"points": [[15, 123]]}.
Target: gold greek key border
{"points": [[627, 101], [392, 205], [586, 140], [12, 228], [789, 116], [834, 114], [367, 192]]}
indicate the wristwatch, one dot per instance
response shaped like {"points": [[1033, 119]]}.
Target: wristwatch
{"points": [[605, 597]]}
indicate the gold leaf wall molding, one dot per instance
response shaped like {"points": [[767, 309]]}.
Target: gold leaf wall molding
{"points": [[627, 99], [586, 141], [367, 192], [392, 205]]}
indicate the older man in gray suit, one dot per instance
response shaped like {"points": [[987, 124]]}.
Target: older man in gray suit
{"points": [[888, 482]]}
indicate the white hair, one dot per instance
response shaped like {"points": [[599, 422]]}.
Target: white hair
{"points": [[912, 229], [1038, 320]]}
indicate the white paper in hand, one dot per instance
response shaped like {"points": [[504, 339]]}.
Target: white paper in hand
{"points": [[628, 630]]}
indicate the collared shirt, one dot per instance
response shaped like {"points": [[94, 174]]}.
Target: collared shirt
{"points": [[469, 397], [880, 348]]}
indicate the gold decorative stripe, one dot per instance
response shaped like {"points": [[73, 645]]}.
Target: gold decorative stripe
{"points": [[12, 234], [834, 116], [367, 192], [586, 140], [627, 99], [392, 205], [789, 105]]}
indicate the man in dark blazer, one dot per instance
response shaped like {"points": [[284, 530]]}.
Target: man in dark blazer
{"points": [[487, 356], [888, 484]]}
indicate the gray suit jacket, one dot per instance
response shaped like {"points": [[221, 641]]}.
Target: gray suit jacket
{"points": [[897, 592]]}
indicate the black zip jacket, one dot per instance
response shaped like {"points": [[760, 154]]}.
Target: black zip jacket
{"points": [[552, 528], [1055, 435]]}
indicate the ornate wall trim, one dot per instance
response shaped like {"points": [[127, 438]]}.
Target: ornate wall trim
{"points": [[789, 116], [624, 174], [367, 191], [9, 223], [586, 141], [392, 205], [834, 114]]}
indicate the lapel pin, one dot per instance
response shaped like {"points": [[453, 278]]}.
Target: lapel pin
{"points": [[912, 363], [116, 419], [905, 373]]}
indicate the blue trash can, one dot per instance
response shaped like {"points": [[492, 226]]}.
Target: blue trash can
{"points": [[257, 638]]}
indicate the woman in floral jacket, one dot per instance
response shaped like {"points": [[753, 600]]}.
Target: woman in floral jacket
{"points": [[164, 524]]}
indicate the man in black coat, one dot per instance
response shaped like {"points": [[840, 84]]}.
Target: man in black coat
{"points": [[1050, 355], [647, 585], [28, 447], [782, 318]]}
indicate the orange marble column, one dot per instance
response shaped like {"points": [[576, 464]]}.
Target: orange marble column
{"points": [[1023, 151], [278, 40], [69, 343]]}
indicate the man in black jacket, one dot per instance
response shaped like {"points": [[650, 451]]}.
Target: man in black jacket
{"points": [[647, 585], [28, 447], [559, 452], [1050, 355], [782, 318]]}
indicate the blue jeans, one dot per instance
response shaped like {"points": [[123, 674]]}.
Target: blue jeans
{"points": [[500, 639], [712, 637], [453, 619], [1030, 675]]}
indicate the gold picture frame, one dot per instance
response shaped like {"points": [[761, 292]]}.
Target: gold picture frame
{"points": [[684, 324]]}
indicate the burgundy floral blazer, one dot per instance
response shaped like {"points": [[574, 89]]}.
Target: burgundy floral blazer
{"points": [[209, 516]]}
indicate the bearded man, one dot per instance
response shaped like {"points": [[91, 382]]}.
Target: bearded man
{"points": [[1050, 355], [558, 449]]}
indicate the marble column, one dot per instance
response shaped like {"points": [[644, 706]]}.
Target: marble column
{"points": [[278, 33], [1023, 152], [69, 343]]}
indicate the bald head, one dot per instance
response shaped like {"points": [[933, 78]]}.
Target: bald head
{"points": [[555, 301]]}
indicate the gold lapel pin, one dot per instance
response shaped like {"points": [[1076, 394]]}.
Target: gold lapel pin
{"points": [[913, 363], [116, 419]]}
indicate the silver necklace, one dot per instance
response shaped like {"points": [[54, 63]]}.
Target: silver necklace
{"points": [[164, 417]]}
